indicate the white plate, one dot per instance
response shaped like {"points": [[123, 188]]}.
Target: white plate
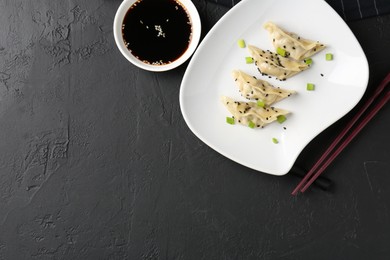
{"points": [[208, 78]]}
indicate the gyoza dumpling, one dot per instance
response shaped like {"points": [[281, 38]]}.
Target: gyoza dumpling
{"points": [[269, 63], [257, 89], [296, 47], [246, 112]]}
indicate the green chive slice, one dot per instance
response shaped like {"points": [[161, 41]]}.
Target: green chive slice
{"points": [[230, 120], [281, 118], [241, 43], [309, 61], [329, 56], [260, 103], [281, 52], [251, 124], [248, 60], [310, 87], [274, 140]]}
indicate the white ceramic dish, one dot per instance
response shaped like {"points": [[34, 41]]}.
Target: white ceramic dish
{"points": [[196, 31], [208, 77]]}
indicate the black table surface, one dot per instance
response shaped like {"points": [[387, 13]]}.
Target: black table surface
{"points": [[96, 161]]}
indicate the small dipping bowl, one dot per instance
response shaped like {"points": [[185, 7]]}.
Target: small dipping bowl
{"points": [[120, 42]]}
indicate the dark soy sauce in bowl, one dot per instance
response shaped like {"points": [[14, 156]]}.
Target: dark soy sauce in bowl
{"points": [[157, 32]]}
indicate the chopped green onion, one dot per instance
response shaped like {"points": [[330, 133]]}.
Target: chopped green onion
{"points": [[230, 120], [281, 118], [281, 52], [248, 60], [251, 124], [274, 140], [260, 103], [329, 56], [310, 86], [241, 43], [309, 61]]}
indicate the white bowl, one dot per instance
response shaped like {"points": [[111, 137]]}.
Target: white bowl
{"points": [[196, 30]]}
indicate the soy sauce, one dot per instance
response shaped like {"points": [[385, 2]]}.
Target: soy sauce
{"points": [[157, 32]]}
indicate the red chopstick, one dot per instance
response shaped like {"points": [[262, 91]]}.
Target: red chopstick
{"points": [[305, 182]]}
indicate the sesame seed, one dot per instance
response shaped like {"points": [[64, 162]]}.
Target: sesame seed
{"points": [[322, 75], [284, 128]]}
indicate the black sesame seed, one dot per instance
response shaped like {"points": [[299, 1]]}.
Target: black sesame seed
{"points": [[256, 99], [269, 77], [254, 77], [266, 95], [284, 46], [285, 74], [247, 82], [280, 92], [239, 121], [258, 125], [266, 118], [314, 49], [273, 40], [235, 80], [284, 128], [293, 48], [252, 92], [322, 75], [263, 51], [299, 38]]}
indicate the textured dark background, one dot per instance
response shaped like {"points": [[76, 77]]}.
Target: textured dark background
{"points": [[96, 161]]}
